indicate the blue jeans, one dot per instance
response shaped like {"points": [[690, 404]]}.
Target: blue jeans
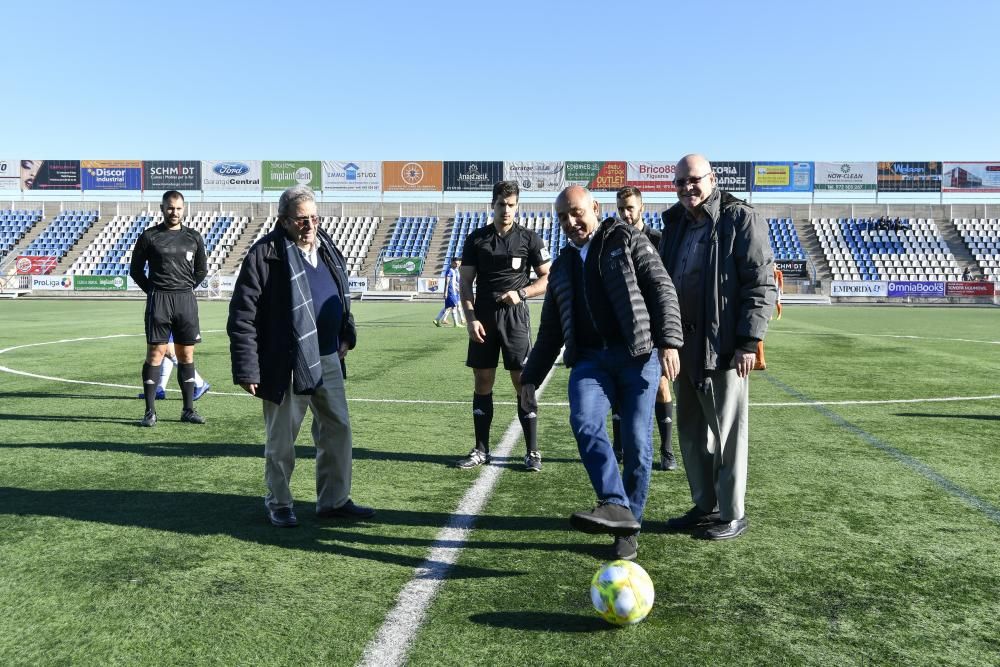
{"points": [[598, 379]]}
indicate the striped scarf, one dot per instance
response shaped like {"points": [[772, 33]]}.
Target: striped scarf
{"points": [[307, 373]]}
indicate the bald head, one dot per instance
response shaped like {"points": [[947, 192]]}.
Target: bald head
{"points": [[577, 213], [695, 181]]}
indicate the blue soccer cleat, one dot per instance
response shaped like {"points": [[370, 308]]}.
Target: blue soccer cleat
{"points": [[201, 391]]}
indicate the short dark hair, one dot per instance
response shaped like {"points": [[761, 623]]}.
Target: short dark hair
{"points": [[505, 189], [628, 191], [171, 194]]}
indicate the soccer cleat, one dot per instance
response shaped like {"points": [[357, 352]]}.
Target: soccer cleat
{"points": [[201, 391], [437, 324], [192, 417], [607, 517], [668, 461], [148, 419], [625, 548], [693, 518], [475, 458], [346, 511], [533, 461], [282, 517], [160, 394]]}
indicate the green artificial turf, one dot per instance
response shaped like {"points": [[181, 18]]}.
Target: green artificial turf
{"points": [[874, 539]]}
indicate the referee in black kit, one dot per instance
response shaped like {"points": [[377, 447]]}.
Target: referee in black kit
{"points": [[177, 264], [499, 258]]}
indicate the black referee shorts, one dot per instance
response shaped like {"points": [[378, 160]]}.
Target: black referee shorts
{"points": [[175, 312], [508, 329]]}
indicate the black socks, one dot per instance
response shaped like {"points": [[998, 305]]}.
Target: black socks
{"points": [[482, 419]]}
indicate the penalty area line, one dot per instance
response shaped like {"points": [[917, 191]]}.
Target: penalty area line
{"points": [[391, 644]]}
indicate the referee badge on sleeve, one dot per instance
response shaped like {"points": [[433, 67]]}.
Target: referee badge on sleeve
{"points": [[545, 255]]}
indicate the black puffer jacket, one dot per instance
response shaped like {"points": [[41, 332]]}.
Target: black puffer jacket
{"points": [[260, 320], [642, 297]]}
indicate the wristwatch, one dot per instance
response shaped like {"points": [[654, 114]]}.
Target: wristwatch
{"points": [[522, 294]]}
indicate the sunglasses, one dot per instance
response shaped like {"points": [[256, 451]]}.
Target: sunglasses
{"points": [[690, 180]]}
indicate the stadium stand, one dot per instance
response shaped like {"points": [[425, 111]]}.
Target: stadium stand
{"points": [[111, 251], [784, 239], [411, 237], [14, 224], [352, 234], [62, 233], [862, 249], [982, 238]]}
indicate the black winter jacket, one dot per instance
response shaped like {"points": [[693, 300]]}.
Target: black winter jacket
{"points": [[641, 294], [260, 320], [739, 291]]}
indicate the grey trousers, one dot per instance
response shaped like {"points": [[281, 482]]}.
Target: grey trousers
{"points": [[713, 429], [331, 433]]}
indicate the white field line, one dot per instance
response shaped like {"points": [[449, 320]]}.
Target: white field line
{"points": [[553, 404], [392, 642]]}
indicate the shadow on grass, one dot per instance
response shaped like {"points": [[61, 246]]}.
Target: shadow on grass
{"points": [[601, 552], [239, 517], [933, 415], [76, 419], [221, 450], [54, 394], [533, 620]]}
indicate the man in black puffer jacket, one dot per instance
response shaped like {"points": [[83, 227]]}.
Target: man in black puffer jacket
{"points": [[612, 305]]}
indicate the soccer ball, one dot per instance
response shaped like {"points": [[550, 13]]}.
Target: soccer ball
{"points": [[622, 592]]}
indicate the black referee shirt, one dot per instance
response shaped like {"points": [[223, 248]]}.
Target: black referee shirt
{"points": [[177, 259], [503, 263]]}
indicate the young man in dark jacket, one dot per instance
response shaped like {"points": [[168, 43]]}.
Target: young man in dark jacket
{"points": [[611, 303], [290, 328]]}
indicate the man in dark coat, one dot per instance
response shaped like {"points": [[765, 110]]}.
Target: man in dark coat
{"points": [[290, 328], [611, 304]]}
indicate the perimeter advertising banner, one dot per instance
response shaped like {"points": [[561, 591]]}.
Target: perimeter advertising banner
{"points": [[846, 176], [35, 264], [782, 176], [171, 175], [413, 176], [733, 176], [358, 284], [597, 176], [918, 288], [846, 288], [99, 283], [968, 289], [56, 283], [283, 174], [50, 174], [352, 176], [472, 175], [536, 175], [909, 176], [111, 174], [970, 177], [242, 175], [791, 268], [403, 266], [650, 176], [10, 175]]}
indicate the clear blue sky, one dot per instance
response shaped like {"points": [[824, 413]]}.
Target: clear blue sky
{"points": [[509, 80]]}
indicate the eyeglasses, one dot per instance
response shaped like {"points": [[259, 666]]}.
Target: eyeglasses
{"points": [[690, 180], [304, 220]]}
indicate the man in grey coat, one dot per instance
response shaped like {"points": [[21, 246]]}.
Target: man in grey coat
{"points": [[717, 253]]}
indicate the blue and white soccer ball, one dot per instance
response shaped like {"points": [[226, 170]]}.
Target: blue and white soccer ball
{"points": [[622, 592]]}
